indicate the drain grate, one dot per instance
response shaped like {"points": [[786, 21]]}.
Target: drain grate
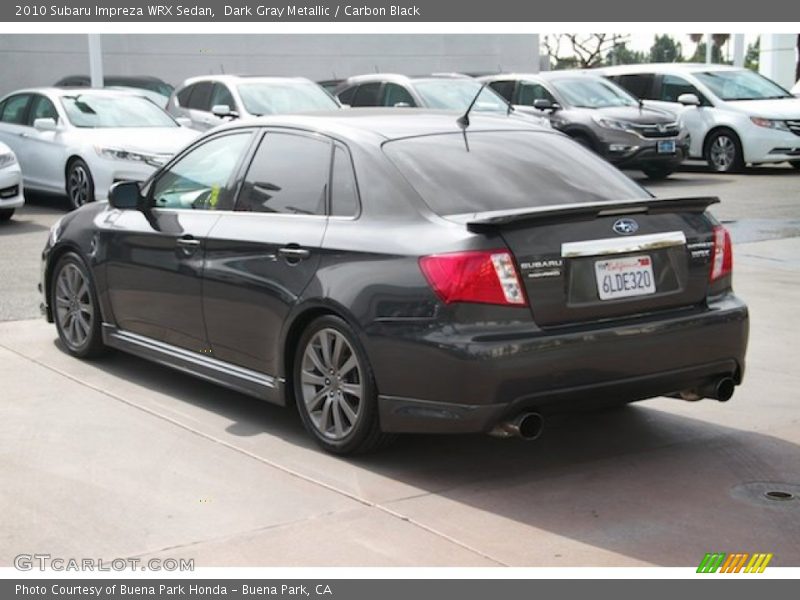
{"points": [[769, 493], [779, 495]]}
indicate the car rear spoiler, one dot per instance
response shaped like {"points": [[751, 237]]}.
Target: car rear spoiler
{"points": [[486, 221]]}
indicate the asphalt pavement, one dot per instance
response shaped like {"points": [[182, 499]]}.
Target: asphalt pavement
{"points": [[119, 457]]}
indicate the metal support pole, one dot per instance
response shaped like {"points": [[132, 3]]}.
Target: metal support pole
{"points": [[738, 49], [708, 48], [95, 60]]}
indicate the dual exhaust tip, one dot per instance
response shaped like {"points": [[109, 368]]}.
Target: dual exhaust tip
{"points": [[527, 426], [721, 389]]}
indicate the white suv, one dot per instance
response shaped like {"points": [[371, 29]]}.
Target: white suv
{"points": [[735, 116]]}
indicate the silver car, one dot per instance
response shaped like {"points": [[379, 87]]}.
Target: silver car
{"points": [[211, 100]]}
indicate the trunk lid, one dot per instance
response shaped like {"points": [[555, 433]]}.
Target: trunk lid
{"points": [[589, 262]]}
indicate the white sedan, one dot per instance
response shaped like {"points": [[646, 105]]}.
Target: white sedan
{"points": [[11, 195], [82, 141]]}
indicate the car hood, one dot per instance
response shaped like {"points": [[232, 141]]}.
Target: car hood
{"points": [[148, 140], [779, 108], [634, 114]]}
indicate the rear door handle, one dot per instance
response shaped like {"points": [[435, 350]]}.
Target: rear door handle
{"points": [[24, 135], [293, 253], [188, 244]]}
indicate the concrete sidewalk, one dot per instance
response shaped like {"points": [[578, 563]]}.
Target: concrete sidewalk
{"points": [[120, 457]]}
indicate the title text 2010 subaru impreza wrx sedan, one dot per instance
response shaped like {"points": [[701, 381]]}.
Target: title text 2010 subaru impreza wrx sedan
{"points": [[410, 272]]}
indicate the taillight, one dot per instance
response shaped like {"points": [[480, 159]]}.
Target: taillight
{"points": [[487, 277], [722, 257]]}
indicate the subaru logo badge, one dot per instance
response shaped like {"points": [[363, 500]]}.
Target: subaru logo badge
{"points": [[625, 226]]}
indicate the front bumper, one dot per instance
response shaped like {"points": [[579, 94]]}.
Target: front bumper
{"points": [[11, 192], [630, 150], [763, 145], [107, 172], [448, 382]]}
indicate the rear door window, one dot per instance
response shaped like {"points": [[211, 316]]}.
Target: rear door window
{"points": [[638, 84], [15, 109], [346, 97], [505, 88], [367, 95], [184, 94], [289, 174], [201, 96]]}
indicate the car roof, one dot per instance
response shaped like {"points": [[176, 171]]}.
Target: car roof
{"points": [[544, 75], [148, 78], [382, 124], [72, 90], [402, 79], [241, 78], [667, 67]]}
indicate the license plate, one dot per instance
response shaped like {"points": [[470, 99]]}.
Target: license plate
{"points": [[624, 277], [666, 147]]}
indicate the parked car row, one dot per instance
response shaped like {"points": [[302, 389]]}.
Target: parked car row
{"points": [[735, 116], [79, 140], [649, 116]]}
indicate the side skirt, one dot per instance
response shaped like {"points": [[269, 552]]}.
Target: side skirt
{"points": [[217, 371]]}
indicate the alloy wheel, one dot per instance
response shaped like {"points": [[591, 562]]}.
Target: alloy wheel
{"points": [[73, 306], [332, 384], [723, 152], [79, 185]]}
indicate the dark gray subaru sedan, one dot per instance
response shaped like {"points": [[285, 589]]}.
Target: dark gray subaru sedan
{"points": [[390, 272]]}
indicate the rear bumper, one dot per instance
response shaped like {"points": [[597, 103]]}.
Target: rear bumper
{"points": [[467, 383]]}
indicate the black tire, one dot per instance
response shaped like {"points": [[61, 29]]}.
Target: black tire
{"points": [[657, 172], [321, 394], [6, 214], [80, 183], [81, 334], [723, 152], [795, 164]]}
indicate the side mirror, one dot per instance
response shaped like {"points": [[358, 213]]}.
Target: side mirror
{"points": [[125, 195], [183, 121], [689, 100], [223, 110], [48, 124], [545, 104]]}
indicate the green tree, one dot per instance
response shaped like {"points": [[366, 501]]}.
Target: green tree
{"points": [[717, 41], [620, 54], [752, 55], [665, 49]]}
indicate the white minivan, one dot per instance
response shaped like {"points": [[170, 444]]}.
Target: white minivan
{"points": [[735, 116]]}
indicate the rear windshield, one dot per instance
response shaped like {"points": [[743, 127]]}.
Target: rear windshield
{"points": [[494, 170]]}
